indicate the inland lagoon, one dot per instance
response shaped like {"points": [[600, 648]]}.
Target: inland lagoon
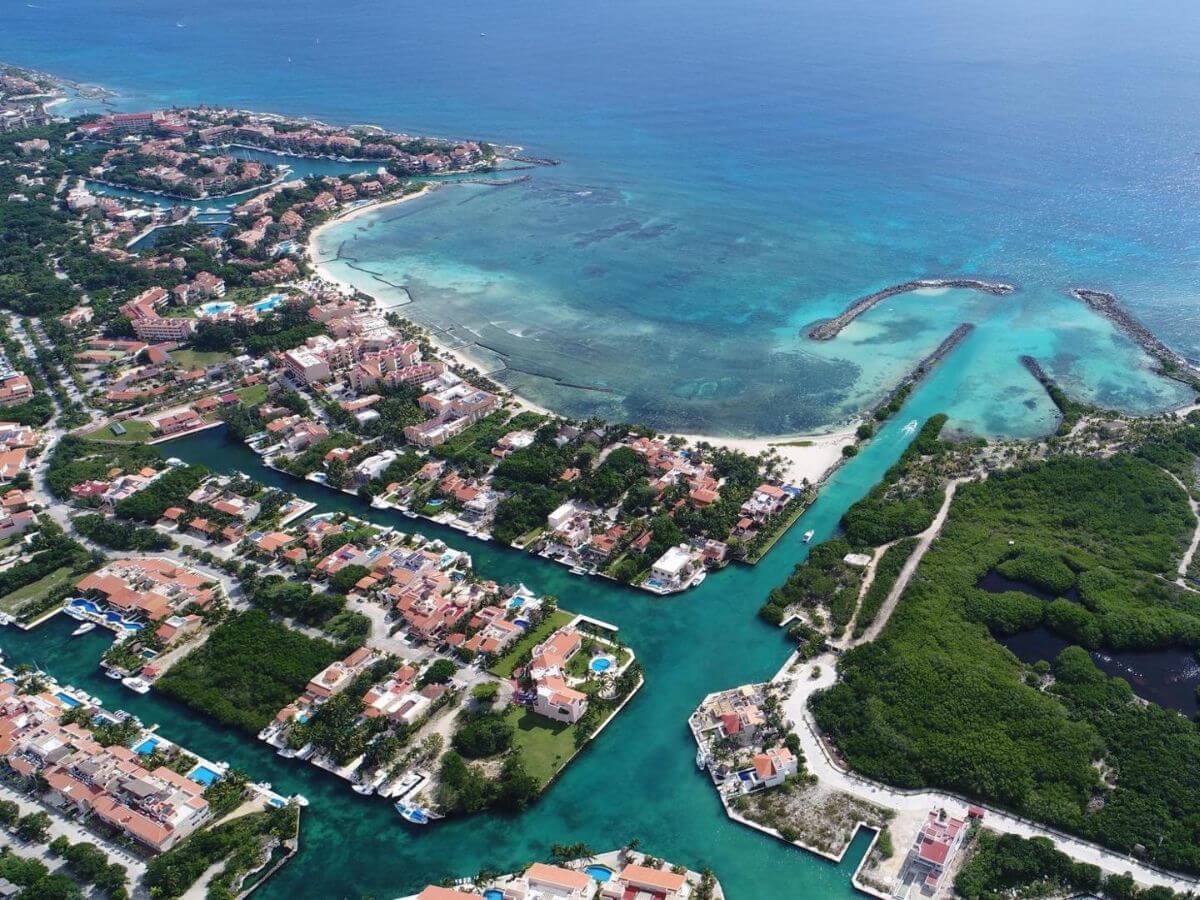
{"points": [[638, 779]]}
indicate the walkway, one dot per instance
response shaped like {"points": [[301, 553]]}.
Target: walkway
{"points": [[1185, 562], [833, 775], [906, 573]]}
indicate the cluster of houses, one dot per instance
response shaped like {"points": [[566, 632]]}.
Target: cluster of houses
{"points": [[611, 876], [739, 744], [150, 588], [156, 807], [401, 152], [17, 445]]}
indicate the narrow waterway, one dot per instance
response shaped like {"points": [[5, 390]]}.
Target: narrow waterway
{"points": [[638, 779]]}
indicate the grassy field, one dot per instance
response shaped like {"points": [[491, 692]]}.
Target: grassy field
{"points": [[252, 395], [199, 359], [10, 603], [503, 667], [545, 745], [137, 431]]}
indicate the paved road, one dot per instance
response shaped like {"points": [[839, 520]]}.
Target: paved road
{"points": [[833, 775]]}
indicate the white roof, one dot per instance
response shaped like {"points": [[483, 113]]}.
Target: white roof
{"points": [[673, 561]]}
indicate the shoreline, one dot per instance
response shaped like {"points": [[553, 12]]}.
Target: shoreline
{"points": [[805, 457]]}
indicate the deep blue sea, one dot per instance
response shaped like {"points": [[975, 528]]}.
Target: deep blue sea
{"points": [[731, 173]]}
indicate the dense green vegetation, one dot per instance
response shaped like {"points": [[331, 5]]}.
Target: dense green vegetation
{"points": [[821, 580], [937, 702], [1005, 866], [76, 460], [121, 535], [889, 511], [239, 841], [297, 600], [169, 489], [887, 570], [48, 552], [249, 668]]}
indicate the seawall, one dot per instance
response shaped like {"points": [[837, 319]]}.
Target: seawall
{"points": [[1171, 364], [831, 328]]}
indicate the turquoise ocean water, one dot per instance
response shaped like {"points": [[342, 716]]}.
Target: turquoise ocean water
{"points": [[732, 172]]}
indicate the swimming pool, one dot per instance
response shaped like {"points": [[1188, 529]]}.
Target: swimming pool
{"points": [[204, 775], [146, 747], [601, 664], [67, 700], [493, 894], [85, 605], [268, 303], [215, 308], [599, 873]]}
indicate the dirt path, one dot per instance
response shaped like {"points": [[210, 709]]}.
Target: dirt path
{"points": [[1185, 562], [906, 573], [867, 580]]}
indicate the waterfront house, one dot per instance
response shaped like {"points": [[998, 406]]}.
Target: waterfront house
{"points": [[933, 851], [544, 882], [635, 882]]}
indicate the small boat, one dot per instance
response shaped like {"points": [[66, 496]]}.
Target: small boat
{"points": [[286, 752], [299, 799], [361, 788], [114, 674], [137, 685], [808, 535], [910, 427], [84, 629], [410, 812], [701, 760]]}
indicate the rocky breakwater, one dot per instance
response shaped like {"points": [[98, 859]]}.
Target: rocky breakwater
{"points": [[831, 328], [1171, 364], [897, 395]]}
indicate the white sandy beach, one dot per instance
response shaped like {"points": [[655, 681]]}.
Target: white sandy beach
{"points": [[805, 457]]}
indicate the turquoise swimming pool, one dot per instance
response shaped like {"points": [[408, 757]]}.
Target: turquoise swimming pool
{"points": [[204, 775], [147, 746], [599, 873], [67, 700], [601, 664]]}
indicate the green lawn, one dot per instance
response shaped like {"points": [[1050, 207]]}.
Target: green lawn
{"points": [[503, 667], [252, 395], [545, 745], [199, 359], [137, 431], [10, 603]]}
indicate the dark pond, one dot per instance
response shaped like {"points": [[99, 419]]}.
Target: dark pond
{"points": [[1166, 677]]}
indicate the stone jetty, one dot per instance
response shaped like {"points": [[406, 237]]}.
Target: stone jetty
{"points": [[831, 328]]}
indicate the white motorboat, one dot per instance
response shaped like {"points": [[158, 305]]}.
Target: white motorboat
{"points": [[412, 813], [808, 535], [364, 789], [137, 685], [84, 629], [701, 759]]}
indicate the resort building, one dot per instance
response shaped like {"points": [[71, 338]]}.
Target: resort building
{"points": [[156, 808], [155, 588], [933, 850]]}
